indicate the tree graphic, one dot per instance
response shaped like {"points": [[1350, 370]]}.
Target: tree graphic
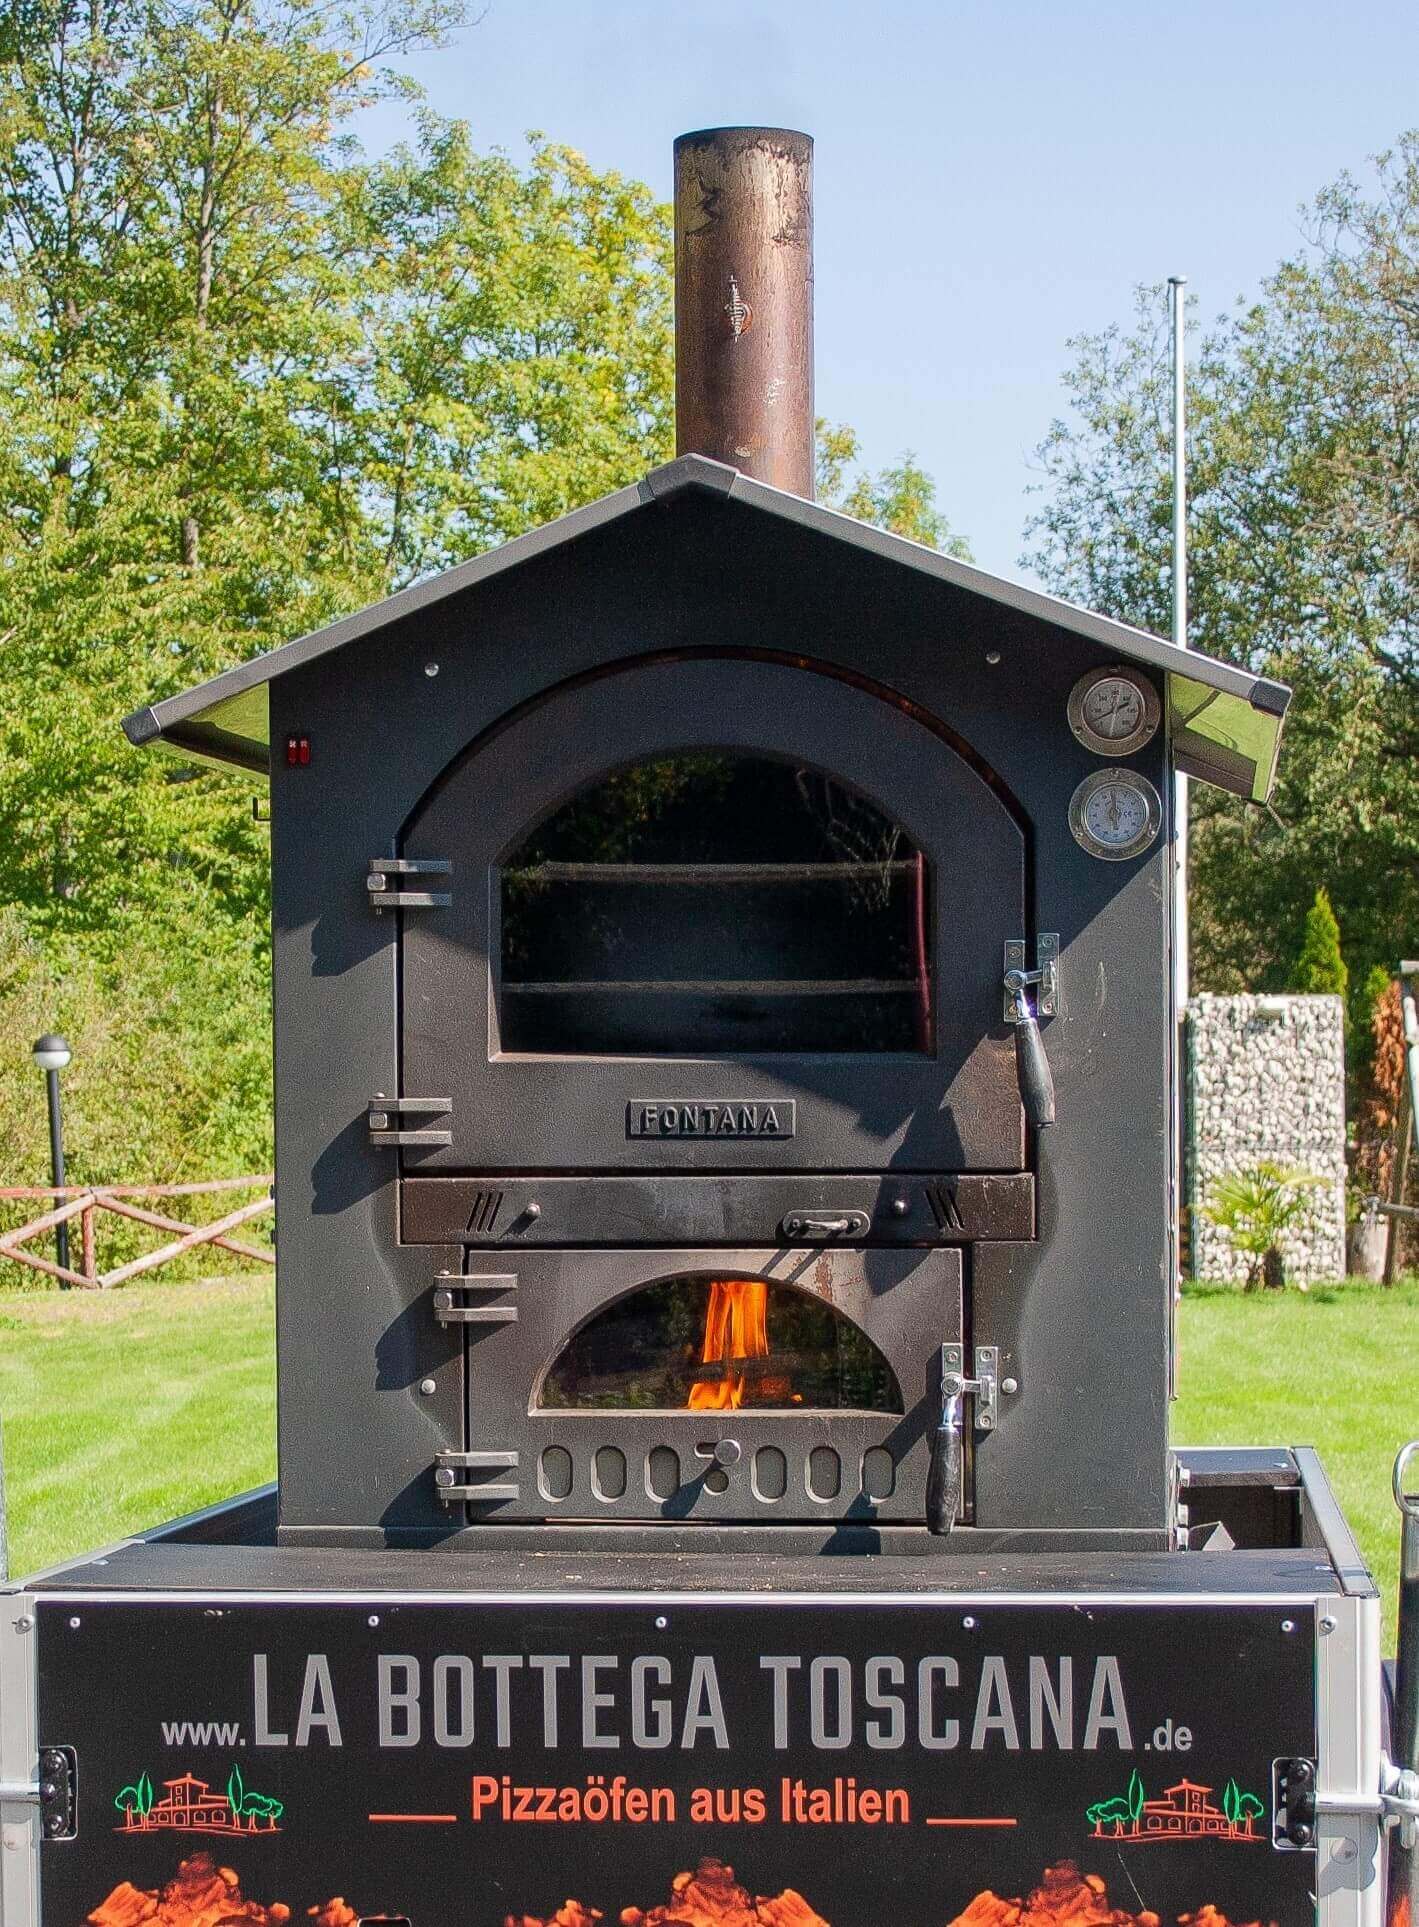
{"points": [[235, 1792], [137, 1798], [1136, 1794]]}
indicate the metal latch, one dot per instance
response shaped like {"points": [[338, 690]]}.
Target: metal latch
{"points": [[819, 1229], [454, 1293], [55, 1792], [384, 1110], [1045, 975], [1293, 1803], [382, 897], [1031, 1064], [943, 1478], [455, 1491]]}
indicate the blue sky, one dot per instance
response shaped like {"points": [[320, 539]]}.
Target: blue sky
{"points": [[990, 179]]}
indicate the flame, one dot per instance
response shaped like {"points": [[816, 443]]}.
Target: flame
{"points": [[736, 1326]]}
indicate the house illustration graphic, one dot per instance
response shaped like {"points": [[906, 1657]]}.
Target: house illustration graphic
{"points": [[189, 1805], [1184, 1812]]}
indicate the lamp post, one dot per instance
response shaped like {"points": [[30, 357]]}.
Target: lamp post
{"points": [[51, 1052]]}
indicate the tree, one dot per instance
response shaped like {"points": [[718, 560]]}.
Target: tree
{"points": [[1303, 562], [1320, 968], [900, 498]]}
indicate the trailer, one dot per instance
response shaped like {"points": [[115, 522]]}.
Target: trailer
{"points": [[726, 1122]]}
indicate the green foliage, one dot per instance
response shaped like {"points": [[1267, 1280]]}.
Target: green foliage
{"points": [[1136, 1794], [1303, 562], [1320, 968], [1256, 1207], [235, 1792], [900, 499], [1231, 1796]]}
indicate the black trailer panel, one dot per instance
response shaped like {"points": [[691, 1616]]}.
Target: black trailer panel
{"points": [[466, 1761]]}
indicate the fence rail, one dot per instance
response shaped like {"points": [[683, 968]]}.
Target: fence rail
{"points": [[85, 1202]]}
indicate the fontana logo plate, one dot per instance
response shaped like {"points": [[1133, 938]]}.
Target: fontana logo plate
{"points": [[737, 1117]]}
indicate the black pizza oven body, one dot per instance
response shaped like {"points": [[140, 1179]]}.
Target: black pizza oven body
{"points": [[662, 908], [428, 1288]]}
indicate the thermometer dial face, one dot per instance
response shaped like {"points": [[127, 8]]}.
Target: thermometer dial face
{"points": [[1115, 813], [1113, 711]]}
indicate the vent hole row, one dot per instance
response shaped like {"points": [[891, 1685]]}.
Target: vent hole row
{"points": [[768, 1474]]}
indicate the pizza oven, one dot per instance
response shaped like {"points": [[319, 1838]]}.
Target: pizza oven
{"points": [[725, 1059]]}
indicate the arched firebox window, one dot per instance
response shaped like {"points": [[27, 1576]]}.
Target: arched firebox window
{"points": [[719, 1344], [713, 904]]}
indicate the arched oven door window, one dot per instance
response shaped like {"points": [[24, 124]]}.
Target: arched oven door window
{"points": [[711, 914]]}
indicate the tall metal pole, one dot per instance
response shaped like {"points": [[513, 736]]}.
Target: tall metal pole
{"points": [[56, 1163], [1177, 285]]}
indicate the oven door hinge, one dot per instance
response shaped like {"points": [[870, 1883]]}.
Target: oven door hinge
{"points": [[455, 1297], [945, 1472], [454, 1490], [384, 1111], [384, 897]]}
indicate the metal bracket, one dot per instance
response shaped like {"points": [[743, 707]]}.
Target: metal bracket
{"points": [[1045, 974], [1294, 1804], [55, 1792], [455, 1491], [984, 1387], [383, 1111], [452, 1289], [1399, 1801], [383, 898]]}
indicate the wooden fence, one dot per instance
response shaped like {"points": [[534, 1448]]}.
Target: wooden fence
{"points": [[85, 1202]]}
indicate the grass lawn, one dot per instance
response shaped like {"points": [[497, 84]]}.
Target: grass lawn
{"points": [[126, 1409]]}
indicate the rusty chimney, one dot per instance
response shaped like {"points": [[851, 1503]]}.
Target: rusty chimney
{"points": [[744, 302]]}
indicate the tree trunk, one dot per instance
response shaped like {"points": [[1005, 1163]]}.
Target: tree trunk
{"points": [[1273, 1270]]}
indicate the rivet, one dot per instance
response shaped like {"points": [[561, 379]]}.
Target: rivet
{"points": [[900, 1207], [992, 656], [74, 1623], [1327, 1623], [1009, 1386], [428, 1386], [661, 1623], [444, 1476], [969, 1623], [1288, 1625], [374, 1619], [431, 668]]}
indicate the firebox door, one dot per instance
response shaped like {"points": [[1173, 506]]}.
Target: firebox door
{"points": [[790, 1385], [712, 914]]}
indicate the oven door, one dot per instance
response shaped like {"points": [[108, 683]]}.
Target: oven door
{"points": [[783, 1386], [713, 914]]}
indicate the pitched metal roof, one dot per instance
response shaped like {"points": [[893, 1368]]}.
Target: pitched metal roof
{"points": [[1225, 722]]}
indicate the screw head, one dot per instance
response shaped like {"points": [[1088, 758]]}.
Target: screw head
{"points": [[728, 1452], [1010, 1386], [374, 1619], [969, 1622], [74, 1623], [1301, 1836], [428, 1386], [443, 1476], [992, 656], [431, 669], [661, 1622], [900, 1207], [1288, 1625], [1327, 1622]]}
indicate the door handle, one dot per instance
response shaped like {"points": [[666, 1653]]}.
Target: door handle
{"points": [[847, 1224]]}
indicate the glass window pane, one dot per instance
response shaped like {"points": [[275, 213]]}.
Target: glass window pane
{"points": [[719, 1344], [712, 904]]}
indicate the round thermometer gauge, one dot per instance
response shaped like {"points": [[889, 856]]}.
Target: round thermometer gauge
{"points": [[1115, 813], [1113, 711]]}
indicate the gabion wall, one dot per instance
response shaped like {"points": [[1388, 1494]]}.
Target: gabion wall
{"points": [[1268, 1086]]}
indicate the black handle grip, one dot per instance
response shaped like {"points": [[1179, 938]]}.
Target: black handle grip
{"points": [[943, 1478], [1036, 1081]]}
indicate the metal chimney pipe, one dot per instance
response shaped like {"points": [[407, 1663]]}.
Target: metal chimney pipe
{"points": [[744, 302]]}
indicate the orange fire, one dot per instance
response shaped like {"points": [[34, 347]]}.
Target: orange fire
{"points": [[736, 1326]]}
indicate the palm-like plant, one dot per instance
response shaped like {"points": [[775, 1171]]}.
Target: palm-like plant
{"points": [[1255, 1207]]}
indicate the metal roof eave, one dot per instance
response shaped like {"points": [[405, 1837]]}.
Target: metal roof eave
{"points": [[1225, 722]]}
